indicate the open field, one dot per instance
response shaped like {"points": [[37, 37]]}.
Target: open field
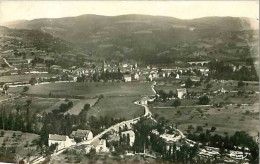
{"points": [[228, 119], [89, 90], [21, 78], [117, 107], [76, 109]]}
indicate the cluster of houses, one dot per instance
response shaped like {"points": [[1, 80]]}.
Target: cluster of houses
{"points": [[63, 141], [100, 145]]}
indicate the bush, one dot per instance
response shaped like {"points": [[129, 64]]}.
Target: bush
{"points": [[199, 129], [240, 84], [208, 86], [2, 133], [190, 127], [204, 100], [86, 107], [176, 103], [213, 128], [25, 89], [178, 112]]}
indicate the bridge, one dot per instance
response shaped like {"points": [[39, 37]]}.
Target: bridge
{"points": [[201, 63]]}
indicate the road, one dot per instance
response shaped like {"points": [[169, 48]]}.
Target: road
{"points": [[6, 62]]}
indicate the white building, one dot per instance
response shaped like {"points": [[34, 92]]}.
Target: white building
{"points": [[131, 135], [144, 100], [82, 134], [181, 93], [136, 76], [60, 140], [127, 78]]}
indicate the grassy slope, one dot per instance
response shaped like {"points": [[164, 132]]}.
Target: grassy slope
{"points": [[90, 89], [117, 107]]}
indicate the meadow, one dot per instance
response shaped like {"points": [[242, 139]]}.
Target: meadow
{"points": [[88, 90], [117, 107]]}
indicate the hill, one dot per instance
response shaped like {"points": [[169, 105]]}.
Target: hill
{"points": [[143, 37], [33, 39]]}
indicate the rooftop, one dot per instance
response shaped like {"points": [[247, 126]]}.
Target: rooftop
{"points": [[57, 137]]}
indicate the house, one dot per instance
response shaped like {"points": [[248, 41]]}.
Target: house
{"points": [[136, 76], [127, 78], [144, 100], [82, 134], [237, 155], [131, 135], [181, 93], [150, 77], [99, 145], [222, 90], [61, 141]]}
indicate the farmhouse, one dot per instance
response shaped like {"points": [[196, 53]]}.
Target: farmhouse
{"points": [[131, 135], [127, 78], [82, 134], [181, 93], [60, 140]]}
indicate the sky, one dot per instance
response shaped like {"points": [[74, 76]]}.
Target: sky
{"points": [[27, 10]]}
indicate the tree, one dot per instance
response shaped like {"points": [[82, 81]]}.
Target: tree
{"points": [[199, 129], [2, 133], [33, 81], [86, 107], [188, 83], [170, 94], [28, 102], [204, 100], [25, 89], [176, 103], [208, 86], [240, 84], [70, 104]]}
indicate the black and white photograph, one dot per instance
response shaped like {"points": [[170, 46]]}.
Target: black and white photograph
{"points": [[129, 82]]}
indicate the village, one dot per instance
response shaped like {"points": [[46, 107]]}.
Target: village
{"points": [[104, 98], [186, 78]]}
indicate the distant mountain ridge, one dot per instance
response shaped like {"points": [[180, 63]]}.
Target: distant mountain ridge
{"points": [[88, 24], [139, 36]]}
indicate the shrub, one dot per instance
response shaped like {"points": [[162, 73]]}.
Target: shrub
{"points": [[2, 133], [204, 100], [213, 128], [240, 84], [190, 127], [199, 129], [176, 103], [25, 89]]}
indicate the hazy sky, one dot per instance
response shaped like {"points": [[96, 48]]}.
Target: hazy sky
{"points": [[17, 10]]}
